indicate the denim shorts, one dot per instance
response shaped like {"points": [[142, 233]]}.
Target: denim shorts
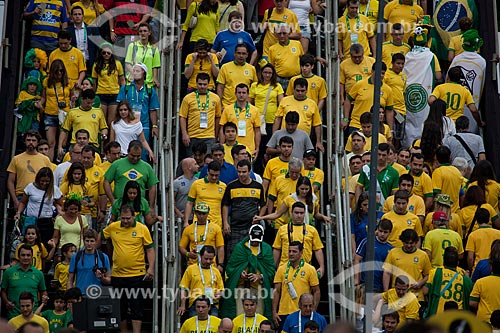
{"points": [[108, 99], [305, 31], [50, 121]]}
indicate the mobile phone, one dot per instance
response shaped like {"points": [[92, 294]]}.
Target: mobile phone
{"points": [[130, 23]]}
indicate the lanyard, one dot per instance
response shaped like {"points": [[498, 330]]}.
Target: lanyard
{"points": [[237, 110], [290, 232], [196, 233], [349, 25], [212, 277], [57, 96], [207, 100], [245, 323], [296, 272], [300, 320], [137, 93], [206, 328], [366, 13]]}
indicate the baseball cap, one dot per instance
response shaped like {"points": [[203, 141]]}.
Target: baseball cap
{"points": [[444, 199], [202, 207], [143, 66], [439, 216], [310, 152], [256, 233]]}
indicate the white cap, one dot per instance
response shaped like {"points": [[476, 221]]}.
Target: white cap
{"points": [[143, 66]]}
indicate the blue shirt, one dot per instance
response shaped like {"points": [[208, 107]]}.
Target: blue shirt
{"points": [[482, 269], [228, 173], [84, 274], [47, 25], [358, 229], [291, 324], [228, 40], [140, 99], [381, 252]]}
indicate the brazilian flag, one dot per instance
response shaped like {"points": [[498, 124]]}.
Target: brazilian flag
{"points": [[445, 20]]}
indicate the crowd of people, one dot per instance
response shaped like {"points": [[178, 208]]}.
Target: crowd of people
{"points": [[248, 187]]}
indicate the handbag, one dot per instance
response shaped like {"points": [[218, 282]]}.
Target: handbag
{"points": [[263, 115], [193, 21], [14, 238], [31, 220]]}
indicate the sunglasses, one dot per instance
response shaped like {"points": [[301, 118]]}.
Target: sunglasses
{"points": [[59, 70], [123, 109], [106, 53]]}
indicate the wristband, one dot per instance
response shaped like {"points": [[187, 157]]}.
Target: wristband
{"points": [[345, 119], [155, 126]]}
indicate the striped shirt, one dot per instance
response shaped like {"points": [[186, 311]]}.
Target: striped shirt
{"points": [[47, 25]]}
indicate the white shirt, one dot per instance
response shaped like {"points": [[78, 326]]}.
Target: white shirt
{"points": [[124, 133], [81, 35], [301, 8], [60, 171], [35, 196]]}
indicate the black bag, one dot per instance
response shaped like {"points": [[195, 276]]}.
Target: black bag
{"points": [[259, 40]]}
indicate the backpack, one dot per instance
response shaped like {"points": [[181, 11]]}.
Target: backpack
{"points": [[97, 254], [148, 90]]}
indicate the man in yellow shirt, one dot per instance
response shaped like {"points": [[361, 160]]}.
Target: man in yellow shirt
{"points": [[293, 279], [199, 114], [285, 55], [405, 12], [400, 299], [446, 179], [485, 296], [274, 17], [130, 241], [354, 69], [396, 80], [246, 117], [422, 182], [278, 166], [198, 280], [249, 321], [401, 218], [361, 95], [315, 175], [407, 260], [308, 111], [199, 234], [479, 242], [456, 96], [233, 73], [26, 303], [202, 319], [355, 28], [73, 59], [201, 61], [366, 121], [415, 203], [317, 85], [396, 45], [437, 240]]}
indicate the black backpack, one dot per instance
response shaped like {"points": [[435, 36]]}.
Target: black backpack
{"points": [[98, 255]]}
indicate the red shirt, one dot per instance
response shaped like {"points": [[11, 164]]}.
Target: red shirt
{"points": [[134, 14]]}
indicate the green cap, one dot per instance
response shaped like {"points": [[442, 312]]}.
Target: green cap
{"points": [[472, 41], [444, 199], [202, 207]]}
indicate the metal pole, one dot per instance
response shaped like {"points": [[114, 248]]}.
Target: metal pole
{"points": [[372, 209], [329, 266]]}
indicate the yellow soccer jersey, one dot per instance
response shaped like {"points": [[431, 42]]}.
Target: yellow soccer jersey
{"points": [[108, 84], [456, 96], [370, 10], [189, 325], [192, 281], [39, 254], [399, 168], [437, 240], [18, 321], [397, 83], [247, 120], [60, 93], [315, 175], [73, 60], [307, 109], [306, 234], [361, 95], [350, 72], [355, 31], [302, 281], [407, 15], [456, 43], [422, 185], [488, 301], [446, 179], [230, 75], [97, 161], [250, 325], [274, 21], [89, 13], [259, 93], [286, 58], [455, 223], [455, 292], [206, 234], [201, 66], [316, 89], [414, 265], [129, 244], [416, 205], [191, 110], [406, 306], [279, 189], [368, 142], [92, 120], [61, 274], [389, 49], [492, 192], [402, 222], [94, 185], [210, 193], [275, 167], [480, 241], [467, 214]]}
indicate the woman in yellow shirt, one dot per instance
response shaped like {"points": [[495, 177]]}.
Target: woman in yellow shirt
{"points": [[225, 8], [474, 199], [266, 94], [109, 77], [207, 26], [56, 97], [483, 176]]}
